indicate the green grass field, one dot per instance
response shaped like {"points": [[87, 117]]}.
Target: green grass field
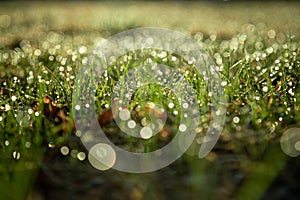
{"points": [[255, 47]]}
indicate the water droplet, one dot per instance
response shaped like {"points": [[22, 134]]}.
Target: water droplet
{"points": [[224, 83], [30, 111], [77, 107], [13, 98], [7, 107], [51, 145], [82, 50], [171, 105], [182, 127], [265, 89], [16, 155], [236, 120]]}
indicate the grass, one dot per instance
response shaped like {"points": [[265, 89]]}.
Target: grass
{"points": [[260, 69]]}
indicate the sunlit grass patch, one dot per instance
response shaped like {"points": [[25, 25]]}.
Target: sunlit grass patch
{"points": [[260, 74]]}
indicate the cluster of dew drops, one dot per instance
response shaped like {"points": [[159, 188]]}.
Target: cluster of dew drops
{"points": [[270, 60]]}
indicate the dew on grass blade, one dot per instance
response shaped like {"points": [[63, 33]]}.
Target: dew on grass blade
{"points": [[7, 107], [51, 145], [16, 155], [182, 127], [236, 120], [13, 98], [171, 105], [290, 142], [77, 107]]}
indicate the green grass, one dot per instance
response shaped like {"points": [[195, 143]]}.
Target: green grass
{"points": [[260, 73]]}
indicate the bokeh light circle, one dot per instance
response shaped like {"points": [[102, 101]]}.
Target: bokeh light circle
{"points": [[105, 54], [102, 156], [290, 142]]}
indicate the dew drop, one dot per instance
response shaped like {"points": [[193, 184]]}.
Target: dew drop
{"points": [[236, 120], [13, 98], [224, 83], [265, 89], [77, 107], [171, 105], [16, 155], [7, 107], [51, 145], [182, 127]]}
